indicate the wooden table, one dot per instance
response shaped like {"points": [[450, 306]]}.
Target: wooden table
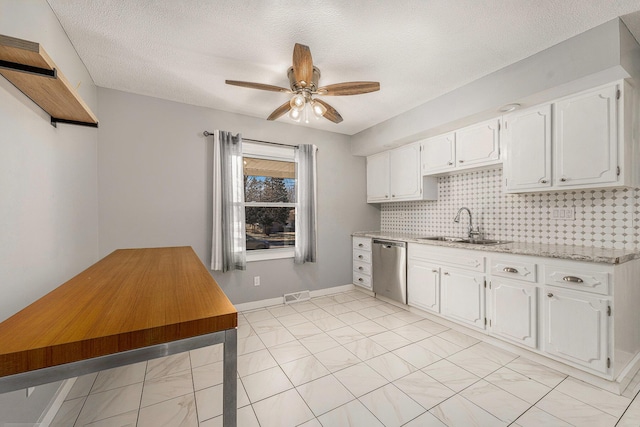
{"points": [[133, 305]]}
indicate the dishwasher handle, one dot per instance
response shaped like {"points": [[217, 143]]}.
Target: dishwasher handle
{"points": [[388, 244]]}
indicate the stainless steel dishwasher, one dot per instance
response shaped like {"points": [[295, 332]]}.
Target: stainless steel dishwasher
{"points": [[389, 262]]}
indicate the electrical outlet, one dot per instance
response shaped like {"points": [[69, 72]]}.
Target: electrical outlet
{"points": [[563, 214], [256, 280]]}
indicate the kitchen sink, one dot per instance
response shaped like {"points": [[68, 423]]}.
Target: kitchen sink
{"points": [[443, 239], [463, 240], [484, 242]]}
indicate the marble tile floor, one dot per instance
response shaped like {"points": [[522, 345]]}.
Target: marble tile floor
{"points": [[345, 360]]}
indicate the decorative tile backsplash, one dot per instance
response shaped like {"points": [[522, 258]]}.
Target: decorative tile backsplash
{"points": [[605, 218]]}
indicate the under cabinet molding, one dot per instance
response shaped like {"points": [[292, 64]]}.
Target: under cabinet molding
{"points": [[29, 68]]}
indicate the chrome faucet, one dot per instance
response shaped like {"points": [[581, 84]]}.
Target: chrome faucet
{"points": [[474, 233]]}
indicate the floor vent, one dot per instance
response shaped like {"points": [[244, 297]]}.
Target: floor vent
{"points": [[297, 297]]}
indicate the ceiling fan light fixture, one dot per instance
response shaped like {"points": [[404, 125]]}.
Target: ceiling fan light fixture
{"points": [[297, 102], [295, 115], [318, 109]]}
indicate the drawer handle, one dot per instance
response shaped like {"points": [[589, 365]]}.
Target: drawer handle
{"points": [[445, 273], [510, 270], [572, 279], [543, 181], [360, 268], [360, 256], [550, 295], [360, 245]]}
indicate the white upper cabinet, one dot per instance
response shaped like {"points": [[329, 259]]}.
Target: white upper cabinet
{"points": [[470, 147], [404, 166], [394, 176], [378, 177], [478, 144], [586, 138], [581, 141], [438, 153], [528, 159]]}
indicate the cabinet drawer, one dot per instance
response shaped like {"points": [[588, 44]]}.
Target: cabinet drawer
{"points": [[362, 256], [362, 268], [581, 278], [518, 270], [361, 280], [449, 257], [362, 243]]}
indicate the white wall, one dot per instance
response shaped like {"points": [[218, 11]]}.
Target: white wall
{"points": [[155, 189], [48, 187]]}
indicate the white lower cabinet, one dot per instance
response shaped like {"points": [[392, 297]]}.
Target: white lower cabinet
{"points": [[514, 311], [362, 262], [562, 309], [463, 296], [423, 285], [576, 327]]}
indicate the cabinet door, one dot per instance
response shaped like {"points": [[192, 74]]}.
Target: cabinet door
{"points": [[514, 311], [462, 296], [405, 176], [438, 154], [576, 327], [586, 139], [478, 144], [423, 285], [528, 143], [378, 177]]}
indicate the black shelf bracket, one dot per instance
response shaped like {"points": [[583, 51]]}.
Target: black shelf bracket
{"points": [[55, 121], [44, 72]]}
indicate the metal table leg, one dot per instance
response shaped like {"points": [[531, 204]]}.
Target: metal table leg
{"points": [[229, 378]]}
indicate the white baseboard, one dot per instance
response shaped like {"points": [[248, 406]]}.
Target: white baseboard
{"points": [[270, 302], [56, 403]]}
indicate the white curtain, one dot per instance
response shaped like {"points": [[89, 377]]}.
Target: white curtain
{"points": [[306, 195], [228, 245]]}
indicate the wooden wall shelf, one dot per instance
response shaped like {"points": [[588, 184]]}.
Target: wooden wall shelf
{"points": [[30, 69]]}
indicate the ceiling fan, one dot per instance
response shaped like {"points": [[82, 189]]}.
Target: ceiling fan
{"points": [[303, 79]]}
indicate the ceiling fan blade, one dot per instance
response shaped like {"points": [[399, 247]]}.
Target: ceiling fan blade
{"points": [[260, 86], [349, 88], [302, 65], [331, 113], [280, 111]]}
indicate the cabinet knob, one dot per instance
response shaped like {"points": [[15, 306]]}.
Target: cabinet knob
{"points": [[460, 161], [360, 279], [543, 181], [360, 268], [563, 179], [510, 270], [550, 295], [360, 245], [386, 196], [360, 256], [434, 271], [445, 273], [450, 163], [393, 195]]}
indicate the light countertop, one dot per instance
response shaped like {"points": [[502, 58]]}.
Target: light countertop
{"points": [[576, 253]]}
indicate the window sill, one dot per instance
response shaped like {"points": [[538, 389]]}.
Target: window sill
{"points": [[268, 254]]}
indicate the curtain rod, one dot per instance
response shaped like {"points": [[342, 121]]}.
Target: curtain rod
{"points": [[207, 133]]}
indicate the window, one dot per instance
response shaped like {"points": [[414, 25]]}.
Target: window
{"points": [[270, 201]]}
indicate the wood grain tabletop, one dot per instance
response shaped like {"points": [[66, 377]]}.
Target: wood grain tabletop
{"points": [[130, 299]]}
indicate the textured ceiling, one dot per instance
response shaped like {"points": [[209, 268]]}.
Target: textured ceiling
{"points": [[417, 50]]}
